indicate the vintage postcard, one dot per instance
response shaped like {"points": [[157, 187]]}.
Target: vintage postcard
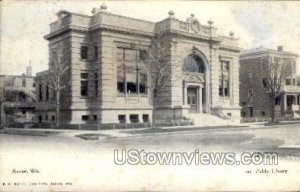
{"points": [[149, 96]]}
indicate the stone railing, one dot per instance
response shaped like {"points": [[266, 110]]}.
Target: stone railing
{"points": [[59, 24], [185, 26], [109, 20], [79, 21], [229, 41]]}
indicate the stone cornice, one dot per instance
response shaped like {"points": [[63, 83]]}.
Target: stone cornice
{"points": [[230, 48]]}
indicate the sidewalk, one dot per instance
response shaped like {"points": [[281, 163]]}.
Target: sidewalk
{"points": [[115, 133], [133, 132]]}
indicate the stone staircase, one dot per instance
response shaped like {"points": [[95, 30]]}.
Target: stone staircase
{"points": [[204, 119]]}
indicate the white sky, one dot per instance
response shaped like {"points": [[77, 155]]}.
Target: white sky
{"points": [[24, 23]]}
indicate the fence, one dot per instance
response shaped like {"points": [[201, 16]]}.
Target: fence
{"points": [[106, 126]]}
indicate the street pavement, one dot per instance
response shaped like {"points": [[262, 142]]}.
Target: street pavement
{"points": [[283, 139], [60, 155]]}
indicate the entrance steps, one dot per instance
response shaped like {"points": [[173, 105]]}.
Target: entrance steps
{"points": [[204, 119]]}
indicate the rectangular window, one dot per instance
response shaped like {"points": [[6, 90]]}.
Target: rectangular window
{"points": [[224, 79], [243, 113], [131, 71], [225, 66], [288, 81], [250, 93], [23, 82], [96, 83], [263, 113], [143, 83], [121, 70], [84, 117], [96, 87], [277, 100], [134, 118], [84, 76], [145, 118], [226, 88], [47, 92], [264, 82], [122, 118], [95, 117], [96, 52], [84, 84], [40, 118], [53, 118], [84, 52], [40, 92]]}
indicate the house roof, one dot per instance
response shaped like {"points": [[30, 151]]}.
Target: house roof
{"points": [[261, 50]]}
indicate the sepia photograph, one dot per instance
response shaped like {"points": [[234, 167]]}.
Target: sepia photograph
{"points": [[149, 95]]}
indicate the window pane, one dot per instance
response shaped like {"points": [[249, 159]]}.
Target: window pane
{"points": [[122, 118], [143, 82], [84, 88], [145, 118], [84, 52], [130, 55], [84, 75], [194, 100], [120, 55], [96, 52], [134, 118], [96, 87], [193, 63], [131, 76], [131, 87]]}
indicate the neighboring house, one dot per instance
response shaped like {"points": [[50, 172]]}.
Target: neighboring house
{"points": [[254, 99], [109, 77], [17, 94]]}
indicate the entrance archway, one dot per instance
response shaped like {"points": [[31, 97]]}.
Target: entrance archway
{"points": [[195, 83]]}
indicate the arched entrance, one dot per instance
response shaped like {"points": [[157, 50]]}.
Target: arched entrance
{"points": [[195, 83]]}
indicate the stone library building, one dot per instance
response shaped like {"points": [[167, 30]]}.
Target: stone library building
{"points": [[109, 78]]}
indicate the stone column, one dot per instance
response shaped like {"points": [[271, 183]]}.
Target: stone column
{"points": [[185, 94], [197, 99], [284, 102], [200, 100]]}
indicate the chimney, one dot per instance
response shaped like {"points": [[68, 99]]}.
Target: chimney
{"points": [[279, 48], [29, 70]]}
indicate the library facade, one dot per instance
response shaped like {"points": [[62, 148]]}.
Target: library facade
{"points": [[109, 78]]}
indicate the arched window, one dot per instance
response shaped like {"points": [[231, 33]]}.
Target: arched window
{"points": [[193, 63]]}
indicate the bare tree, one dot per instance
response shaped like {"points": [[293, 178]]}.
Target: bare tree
{"points": [[2, 122], [275, 74], [57, 79], [162, 72]]}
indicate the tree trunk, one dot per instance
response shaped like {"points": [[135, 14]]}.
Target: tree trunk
{"points": [[57, 106], [154, 111], [2, 114], [273, 110]]}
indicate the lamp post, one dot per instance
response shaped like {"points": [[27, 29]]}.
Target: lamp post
{"points": [[210, 23]]}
